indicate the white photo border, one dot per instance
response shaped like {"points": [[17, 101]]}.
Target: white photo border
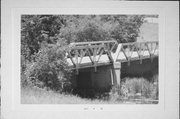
{"points": [[13, 103], [83, 11]]}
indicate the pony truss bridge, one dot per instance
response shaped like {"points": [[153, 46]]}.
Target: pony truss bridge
{"points": [[93, 54]]}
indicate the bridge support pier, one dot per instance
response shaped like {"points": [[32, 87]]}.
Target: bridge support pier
{"points": [[116, 71]]}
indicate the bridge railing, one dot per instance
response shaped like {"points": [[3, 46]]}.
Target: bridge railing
{"points": [[90, 53], [138, 50], [110, 45], [92, 50]]}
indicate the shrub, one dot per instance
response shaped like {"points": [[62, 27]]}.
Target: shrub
{"points": [[49, 69], [114, 94], [135, 88], [155, 92], [138, 87]]}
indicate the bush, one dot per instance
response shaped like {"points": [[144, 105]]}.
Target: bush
{"points": [[49, 69], [135, 88], [138, 87]]}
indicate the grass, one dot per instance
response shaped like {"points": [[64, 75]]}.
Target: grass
{"points": [[35, 95], [140, 88]]}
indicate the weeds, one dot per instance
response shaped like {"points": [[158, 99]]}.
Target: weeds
{"points": [[135, 89]]}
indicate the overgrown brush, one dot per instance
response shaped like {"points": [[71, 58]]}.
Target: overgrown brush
{"points": [[49, 69], [136, 88]]}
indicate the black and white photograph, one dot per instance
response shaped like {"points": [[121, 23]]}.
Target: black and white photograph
{"points": [[94, 59], [89, 59]]}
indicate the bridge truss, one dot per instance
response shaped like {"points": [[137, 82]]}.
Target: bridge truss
{"points": [[97, 53]]}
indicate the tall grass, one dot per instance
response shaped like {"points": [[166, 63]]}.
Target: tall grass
{"points": [[35, 95], [136, 89]]}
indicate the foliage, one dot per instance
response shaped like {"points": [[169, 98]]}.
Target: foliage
{"points": [[139, 90], [49, 68], [139, 87], [123, 28], [38, 28], [84, 30]]}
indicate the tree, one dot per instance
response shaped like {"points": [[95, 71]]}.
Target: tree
{"points": [[84, 29], [49, 68], [123, 28], [38, 28]]}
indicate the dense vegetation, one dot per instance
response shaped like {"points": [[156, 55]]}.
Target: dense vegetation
{"points": [[37, 30], [44, 39]]}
